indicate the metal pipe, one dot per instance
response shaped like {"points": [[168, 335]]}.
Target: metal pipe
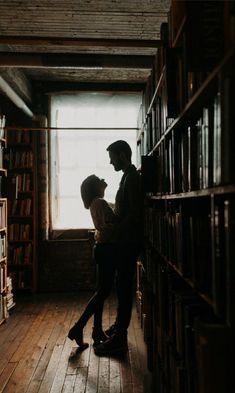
{"points": [[70, 128]]}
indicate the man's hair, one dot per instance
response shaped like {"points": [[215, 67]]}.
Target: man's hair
{"points": [[88, 190], [120, 147]]}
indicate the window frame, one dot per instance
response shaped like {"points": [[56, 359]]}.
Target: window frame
{"points": [[68, 233]]}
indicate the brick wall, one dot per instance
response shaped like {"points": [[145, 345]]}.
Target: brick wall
{"points": [[66, 265]]}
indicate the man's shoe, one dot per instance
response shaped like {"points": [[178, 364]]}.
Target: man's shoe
{"points": [[98, 336], [113, 346]]}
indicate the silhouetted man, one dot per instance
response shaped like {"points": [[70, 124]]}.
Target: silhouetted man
{"points": [[128, 209]]}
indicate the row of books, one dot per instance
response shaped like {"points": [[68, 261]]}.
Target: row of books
{"points": [[10, 300], [3, 308], [3, 266], [20, 190], [177, 225], [20, 255], [208, 366], [19, 232], [223, 254], [183, 10], [140, 288], [146, 99], [193, 157], [9, 294], [21, 279], [2, 215], [20, 207], [15, 183], [196, 238], [2, 246], [199, 47], [19, 159], [2, 125], [15, 137], [199, 153], [157, 119], [1, 186], [188, 343], [1, 156], [2, 277], [24, 182]]}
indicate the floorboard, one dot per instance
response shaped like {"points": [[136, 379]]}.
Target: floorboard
{"points": [[36, 355]]}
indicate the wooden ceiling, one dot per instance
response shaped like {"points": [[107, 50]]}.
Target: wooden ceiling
{"points": [[78, 41]]}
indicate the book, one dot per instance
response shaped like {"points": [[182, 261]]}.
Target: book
{"points": [[12, 186], [205, 34], [192, 311], [229, 228], [214, 357], [150, 173], [184, 146], [227, 118], [218, 258], [217, 140]]}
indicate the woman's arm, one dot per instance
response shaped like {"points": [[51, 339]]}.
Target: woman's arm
{"points": [[103, 218]]}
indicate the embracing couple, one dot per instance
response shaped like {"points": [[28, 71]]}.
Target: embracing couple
{"points": [[118, 243]]}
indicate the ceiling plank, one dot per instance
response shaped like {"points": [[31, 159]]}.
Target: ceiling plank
{"points": [[49, 60], [80, 42]]}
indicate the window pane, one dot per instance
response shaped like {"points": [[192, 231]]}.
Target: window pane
{"points": [[80, 153]]}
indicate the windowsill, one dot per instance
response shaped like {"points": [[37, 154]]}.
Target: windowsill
{"points": [[72, 235]]}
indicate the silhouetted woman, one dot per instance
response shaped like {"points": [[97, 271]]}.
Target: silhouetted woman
{"points": [[92, 193]]}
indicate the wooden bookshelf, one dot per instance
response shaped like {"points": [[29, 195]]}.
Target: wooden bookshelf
{"points": [[3, 226], [21, 161], [3, 259], [185, 278]]}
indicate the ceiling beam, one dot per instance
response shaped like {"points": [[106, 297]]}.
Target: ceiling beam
{"points": [[61, 60], [80, 42], [19, 83], [58, 86], [14, 97]]}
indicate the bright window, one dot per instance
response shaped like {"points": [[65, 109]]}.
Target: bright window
{"points": [[78, 153]]}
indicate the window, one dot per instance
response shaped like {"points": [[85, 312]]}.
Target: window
{"points": [[77, 152]]}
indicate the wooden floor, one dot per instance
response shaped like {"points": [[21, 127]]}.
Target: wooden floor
{"points": [[35, 351]]}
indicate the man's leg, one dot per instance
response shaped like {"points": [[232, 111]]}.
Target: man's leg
{"points": [[124, 283], [126, 265]]}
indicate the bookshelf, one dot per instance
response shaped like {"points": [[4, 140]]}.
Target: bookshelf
{"points": [[3, 171], [3, 259], [3, 227], [185, 277], [21, 163]]}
